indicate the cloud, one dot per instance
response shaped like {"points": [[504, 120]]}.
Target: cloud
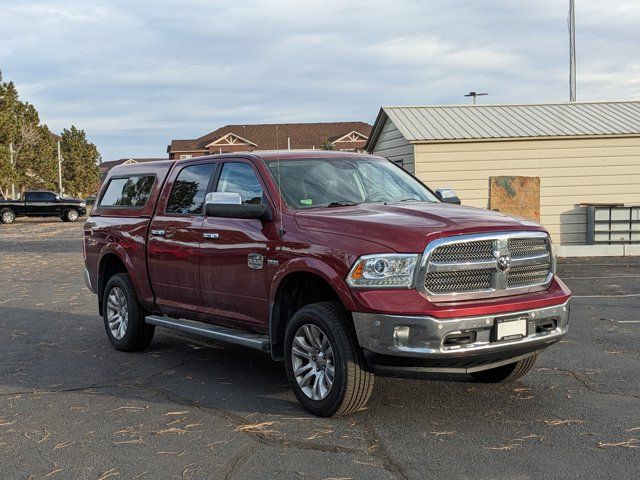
{"points": [[134, 75]]}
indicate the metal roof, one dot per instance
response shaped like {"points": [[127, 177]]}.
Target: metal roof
{"points": [[483, 122]]}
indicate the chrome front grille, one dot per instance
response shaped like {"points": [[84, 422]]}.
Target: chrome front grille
{"points": [[463, 252], [525, 247], [486, 265], [527, 275], [465, 281]]}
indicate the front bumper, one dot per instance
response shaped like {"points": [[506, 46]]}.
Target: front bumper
{"points": [[455, 345]]}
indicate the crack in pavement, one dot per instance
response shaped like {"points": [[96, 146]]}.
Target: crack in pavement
{"points": [[379, 450], [589, 386], [144, 381], [239, 459]]}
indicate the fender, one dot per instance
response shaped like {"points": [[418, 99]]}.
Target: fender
{"points": [[141, 286], [319, 268], [305, 265]]}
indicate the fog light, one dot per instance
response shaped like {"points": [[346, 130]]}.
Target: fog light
{"points": [[401, 336]]}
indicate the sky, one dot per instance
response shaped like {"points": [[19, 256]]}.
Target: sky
{"points": [[135, 74]]}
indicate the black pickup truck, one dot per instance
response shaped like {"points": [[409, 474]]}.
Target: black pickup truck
{"points": [[42, 204]]}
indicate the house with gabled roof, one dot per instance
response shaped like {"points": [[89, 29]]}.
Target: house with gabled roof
{"points": [[345, 136]]}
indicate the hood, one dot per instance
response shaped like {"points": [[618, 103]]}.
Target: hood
{"points": [[408, 227]]}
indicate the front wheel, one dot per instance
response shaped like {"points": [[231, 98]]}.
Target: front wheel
{"points": [[506, 373], [71, 215], [124, 316], [7, 216], [324, 363]]}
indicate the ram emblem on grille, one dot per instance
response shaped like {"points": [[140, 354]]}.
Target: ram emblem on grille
{"points": [[504, 262]]}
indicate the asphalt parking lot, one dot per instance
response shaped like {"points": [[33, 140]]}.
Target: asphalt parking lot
{"points": [[72, 407]]}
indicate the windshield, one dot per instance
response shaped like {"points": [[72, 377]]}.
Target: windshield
{"points": [[335, 182]]}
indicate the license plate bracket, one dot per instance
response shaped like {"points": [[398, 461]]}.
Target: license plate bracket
{"points": [[510, 328]]}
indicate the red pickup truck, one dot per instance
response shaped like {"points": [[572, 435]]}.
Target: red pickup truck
{"points": [[342, 265]]}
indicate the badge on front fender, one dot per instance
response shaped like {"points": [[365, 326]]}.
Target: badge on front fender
{"points": [[255, 261]]}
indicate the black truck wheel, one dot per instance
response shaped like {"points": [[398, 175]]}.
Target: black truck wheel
{"points": [[506, 373], [71, 215], [124, 316], [324, 362], [7, 216]]}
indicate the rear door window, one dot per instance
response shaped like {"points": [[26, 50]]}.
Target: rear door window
{"points": [[189, 190], [130, 191]]}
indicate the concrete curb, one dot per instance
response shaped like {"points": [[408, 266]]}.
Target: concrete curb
{"points": [[564, 251]]}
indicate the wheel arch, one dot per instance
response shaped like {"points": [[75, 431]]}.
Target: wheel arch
{"points": [[297, 285], [112, 262]]}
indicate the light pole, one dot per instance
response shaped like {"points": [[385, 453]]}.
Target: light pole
{"points": [[572, 51], [13, 185], [59, 170]]}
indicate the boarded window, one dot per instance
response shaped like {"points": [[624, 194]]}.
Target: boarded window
{"points": [[130, 191]]}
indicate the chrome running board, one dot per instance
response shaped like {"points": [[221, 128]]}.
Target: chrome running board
{"points": [[229, 335]]}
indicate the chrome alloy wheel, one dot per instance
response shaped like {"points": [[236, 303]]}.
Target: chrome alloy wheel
{"points": [[117, 313], [72, 215], [312, 361], [7, 217]]}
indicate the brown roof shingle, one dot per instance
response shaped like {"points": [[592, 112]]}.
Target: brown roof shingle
{"points": [[301, 135]]}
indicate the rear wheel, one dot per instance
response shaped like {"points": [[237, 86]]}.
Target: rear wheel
{"points": [[324, 363], [506, 373], [7, 216], [124, 316]]}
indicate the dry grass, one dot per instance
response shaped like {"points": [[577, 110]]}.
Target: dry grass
{"points": [[261, 428], [557, 422], [631, 443]]}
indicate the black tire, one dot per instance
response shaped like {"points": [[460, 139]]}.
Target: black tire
{"points": [[7, 216], [352, 383], [506, 373], [71, 215], [138, 334]]}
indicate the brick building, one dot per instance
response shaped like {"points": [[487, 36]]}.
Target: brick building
{"points": [[346, 136]]}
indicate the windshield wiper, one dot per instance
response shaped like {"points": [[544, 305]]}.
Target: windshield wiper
{"points": [[410, 200], [342, 204]]}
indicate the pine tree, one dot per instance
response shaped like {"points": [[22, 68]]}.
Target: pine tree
{"points": [[80, 173], [35, 163]]}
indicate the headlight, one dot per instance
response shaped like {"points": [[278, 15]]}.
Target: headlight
{"points": [[383, 271], [83, 204]]}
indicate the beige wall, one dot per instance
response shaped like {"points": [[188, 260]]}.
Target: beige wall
{"points": [[571, 171]]}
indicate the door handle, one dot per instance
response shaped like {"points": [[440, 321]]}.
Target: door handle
{"points": [[211, 236], [158, 233]]}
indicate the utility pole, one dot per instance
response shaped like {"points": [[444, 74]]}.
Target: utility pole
{"points": [[572, 51], [59, 170], [13, 185]]}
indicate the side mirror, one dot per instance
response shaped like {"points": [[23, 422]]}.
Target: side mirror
{"points": [[223, 198], [448, 195], [229, 205]]}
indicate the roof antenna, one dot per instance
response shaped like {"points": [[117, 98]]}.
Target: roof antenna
{"points": [[281, 230], [475, 95]]}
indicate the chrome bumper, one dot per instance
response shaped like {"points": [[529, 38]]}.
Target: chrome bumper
{"points": [[87, 281], [430, 338]]}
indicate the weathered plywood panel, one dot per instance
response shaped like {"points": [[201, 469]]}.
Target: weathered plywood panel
{"points": [[516, 196], [571, 171]]}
